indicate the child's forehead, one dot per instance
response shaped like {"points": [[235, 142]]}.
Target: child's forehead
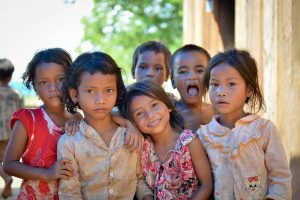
{"points": [[49, 69], [195, 57], [152, 53]]}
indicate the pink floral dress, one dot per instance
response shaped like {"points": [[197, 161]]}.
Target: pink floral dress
{"points": [[176, 178], [40, 151]]}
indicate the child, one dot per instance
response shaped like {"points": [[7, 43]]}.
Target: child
{"points": [[245, 151], [35, 132], [188, 64], [103, 168], [173, 160], [9, 103], [151, 62]]}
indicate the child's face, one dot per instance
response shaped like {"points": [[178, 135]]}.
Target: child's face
{"points": [[47, 83], [228, 90], [151, 66], [96, 95], [188, 76], [150, 115]]}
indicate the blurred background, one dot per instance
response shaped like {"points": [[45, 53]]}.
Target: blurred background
{"points": [[269, 29]]}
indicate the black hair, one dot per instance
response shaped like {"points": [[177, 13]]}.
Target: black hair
{"points": [[155, 46], [185, 49], [6, 69], [245, 64], [52, 55], [154, 91], [91, 62]]}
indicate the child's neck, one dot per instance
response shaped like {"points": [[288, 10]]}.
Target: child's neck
{"points": [[57, 115], [229, 120], [54, 111], [105, 128], [165, 142], [194, 108]]}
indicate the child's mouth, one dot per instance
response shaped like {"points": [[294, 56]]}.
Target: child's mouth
{"points": [[193, 90]]}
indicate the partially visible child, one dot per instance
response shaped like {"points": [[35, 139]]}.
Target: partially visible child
{"points": [[245, 150], [103, 167], [9, 103], [173, 159], [151, 62], [188, 64], [35, 132]]}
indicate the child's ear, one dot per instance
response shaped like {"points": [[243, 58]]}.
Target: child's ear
{"points": [[73, 95], [249, 91]]}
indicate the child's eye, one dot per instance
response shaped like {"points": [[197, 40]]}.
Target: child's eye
{"points": [[142, 67], [90, 91], [139, 114], [200, 71], [43, 82], [154, 105], [213, 84], [158, 68], [231, 84], [181, 71], [109, 91], [60, 79]]}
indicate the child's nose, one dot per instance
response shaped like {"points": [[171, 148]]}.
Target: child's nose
{"points": [[150, 72], [192, 75], [53, 87], [100, 99], [221, 91]]}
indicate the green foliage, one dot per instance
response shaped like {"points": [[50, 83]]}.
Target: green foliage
{"points": [[118, 27]]}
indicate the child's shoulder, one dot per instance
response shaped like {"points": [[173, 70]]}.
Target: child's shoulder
{"points": [[77, 116], [186, 136]]}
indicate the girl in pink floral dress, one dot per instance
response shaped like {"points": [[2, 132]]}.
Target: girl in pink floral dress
{"points": [[174, 162], [35, 132]]}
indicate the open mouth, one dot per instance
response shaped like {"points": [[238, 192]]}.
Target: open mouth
{"points": [[193, 90]]}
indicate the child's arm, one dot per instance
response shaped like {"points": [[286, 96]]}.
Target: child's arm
{"points": [[202, 169], [279, 175], [133, 139], [68, 188], [14, 167], [143, 191]]}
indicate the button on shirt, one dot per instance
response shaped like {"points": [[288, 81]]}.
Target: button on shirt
{"points": [[101, 172]]}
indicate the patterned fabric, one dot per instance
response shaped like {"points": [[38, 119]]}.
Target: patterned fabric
{"points": [[248, 161], [40, 151], [176, 178], [101, 172], [10, 102]]}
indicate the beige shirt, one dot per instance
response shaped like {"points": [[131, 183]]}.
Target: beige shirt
{"points": [[101, 172], [248, 161]]}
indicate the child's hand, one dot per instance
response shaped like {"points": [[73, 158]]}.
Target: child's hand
{"points": [[71, 127], [61, 169], [133, 139]]}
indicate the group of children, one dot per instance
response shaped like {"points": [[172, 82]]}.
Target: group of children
{"points": [[192, 149]]}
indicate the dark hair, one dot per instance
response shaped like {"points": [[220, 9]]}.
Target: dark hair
{"points": [[154, 91], [245, 64], [54, 55], [6, 69], [185, 49], [155, 46], [91, 62]]}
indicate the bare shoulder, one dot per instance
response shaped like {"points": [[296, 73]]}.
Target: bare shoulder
{"points": [[208, 112]]}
